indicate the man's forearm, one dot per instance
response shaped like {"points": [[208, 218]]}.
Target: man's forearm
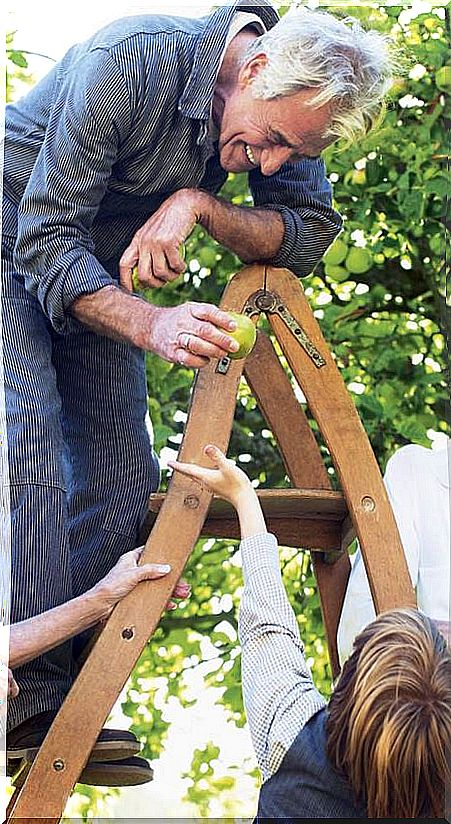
{"points": [[253, 234], [115, 313], [37, 635]]}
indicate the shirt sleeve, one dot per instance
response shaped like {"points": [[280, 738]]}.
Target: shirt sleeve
{"points": [[302, 195], [90, 116], [278, 690], [358, 608]]}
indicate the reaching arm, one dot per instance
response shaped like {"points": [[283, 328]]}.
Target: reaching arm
{"points": [[253, 234], [37, 635], [278, 691]]}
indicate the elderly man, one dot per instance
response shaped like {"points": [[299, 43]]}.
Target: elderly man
{"points": [[111, 160]]}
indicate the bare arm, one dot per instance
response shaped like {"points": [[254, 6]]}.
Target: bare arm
{"points": [[118, 314], [41, 633], [253, 234]]}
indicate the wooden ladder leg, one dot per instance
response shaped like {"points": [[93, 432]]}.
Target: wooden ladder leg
{"points": [[11, 803], [347, 441], [288, 422], [72, 736]]}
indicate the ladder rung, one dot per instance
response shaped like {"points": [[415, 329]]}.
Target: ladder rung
{"points": [[308, 518]]}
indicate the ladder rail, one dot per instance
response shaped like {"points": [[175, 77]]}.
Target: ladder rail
{"points": [[350, 449], [305, 467]]}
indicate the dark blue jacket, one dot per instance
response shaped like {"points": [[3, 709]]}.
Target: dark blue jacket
{"points": [[306, 785]]}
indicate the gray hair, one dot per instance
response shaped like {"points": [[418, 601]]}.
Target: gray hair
{"points": [[350, 67]]}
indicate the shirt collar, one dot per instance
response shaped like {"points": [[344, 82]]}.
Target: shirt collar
{"points": [[195, 101]]}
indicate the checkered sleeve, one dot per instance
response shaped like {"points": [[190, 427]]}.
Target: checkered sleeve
{"points": [[278, 690]]}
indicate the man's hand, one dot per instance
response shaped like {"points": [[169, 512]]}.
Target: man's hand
{"points": [[225, 480], [156, 245], [123, 577], [189, 335]]}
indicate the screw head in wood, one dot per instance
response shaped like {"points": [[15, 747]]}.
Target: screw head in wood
{"points": [[58, 765], [191, 501], [368, 503], [128, 633]]}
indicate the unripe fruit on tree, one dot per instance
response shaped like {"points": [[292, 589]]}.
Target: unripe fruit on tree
{"points": [[336, 253], [207, 257], [136, 284], [337, 273], [245, 334], [358, 260], [443, 79]]}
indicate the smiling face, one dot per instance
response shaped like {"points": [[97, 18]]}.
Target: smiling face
{"points": [[267, 133]]}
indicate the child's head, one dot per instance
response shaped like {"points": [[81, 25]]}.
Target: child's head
{"points": [[389, 725]]}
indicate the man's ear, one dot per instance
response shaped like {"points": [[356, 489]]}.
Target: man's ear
{"points": [[251, 69]]}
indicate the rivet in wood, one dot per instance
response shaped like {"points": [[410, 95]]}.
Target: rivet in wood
{"points": [[58, 765], [264, 301], [222, 367], [368, 503], [191, 501], [128, 633]]}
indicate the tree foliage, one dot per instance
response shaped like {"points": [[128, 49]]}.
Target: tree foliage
{"points": [[15, 68], [379, 296]]}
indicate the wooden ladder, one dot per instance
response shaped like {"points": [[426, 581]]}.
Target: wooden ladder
{"points": [[310, 515]]}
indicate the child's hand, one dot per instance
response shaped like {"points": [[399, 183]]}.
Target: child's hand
{"points": [[226, 480]]}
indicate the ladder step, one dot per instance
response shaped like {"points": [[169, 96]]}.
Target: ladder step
{"points": [[314, 519]]}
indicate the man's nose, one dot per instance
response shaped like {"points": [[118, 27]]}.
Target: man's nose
{"points": [[273, 158]]}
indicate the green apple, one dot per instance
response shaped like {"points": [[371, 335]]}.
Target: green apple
{"points": [[358, 260], [207, 256], [443, 79], [245, 334], [336, 253], [136, 284], [337, 273]]}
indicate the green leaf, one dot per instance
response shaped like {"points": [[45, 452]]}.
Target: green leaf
{"points": [[18, 58]]}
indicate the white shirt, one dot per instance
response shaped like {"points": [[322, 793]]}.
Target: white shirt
{"points": [[418, 485]]}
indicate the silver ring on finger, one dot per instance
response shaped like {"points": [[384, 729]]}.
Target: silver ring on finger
{"points": [[185, 340]]}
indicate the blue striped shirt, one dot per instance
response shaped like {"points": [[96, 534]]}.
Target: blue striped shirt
{"points": [[119, 124]]}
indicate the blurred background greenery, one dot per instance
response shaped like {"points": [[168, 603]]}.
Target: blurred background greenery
{"points": [[379, 295]]}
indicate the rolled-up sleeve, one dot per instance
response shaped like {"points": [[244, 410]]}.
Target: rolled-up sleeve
{"points": [[302, 195], [54, 252]]}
